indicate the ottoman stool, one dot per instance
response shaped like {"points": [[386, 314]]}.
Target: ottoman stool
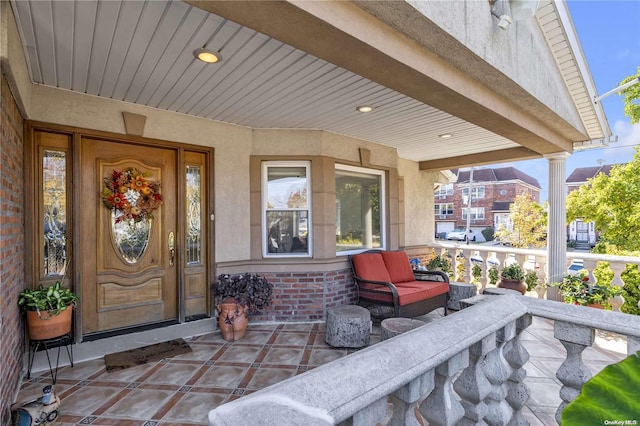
{"points": [[459, 291], [392, 327], [348, 326]]}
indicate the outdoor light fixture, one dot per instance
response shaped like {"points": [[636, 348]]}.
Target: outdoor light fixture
{"points": [[207, 56], [445, 135], [364, 108]]}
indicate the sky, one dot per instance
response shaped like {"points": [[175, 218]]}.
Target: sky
{"points": [[609, 32]]}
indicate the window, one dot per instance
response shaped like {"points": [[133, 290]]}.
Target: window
{"points": [[443, 209], [476, 192], [287, 208], [444, 190], [477, 213], [359, 209], [54, 193]]}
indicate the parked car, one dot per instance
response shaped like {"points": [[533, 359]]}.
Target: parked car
{"points": [[458, 234]]}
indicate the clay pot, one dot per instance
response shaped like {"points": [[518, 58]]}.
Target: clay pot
{"points": [[595, 305], [512, 285], [232, 321], [42, 325]]}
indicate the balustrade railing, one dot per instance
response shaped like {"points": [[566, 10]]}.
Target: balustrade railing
{"points": [[465, 368]]}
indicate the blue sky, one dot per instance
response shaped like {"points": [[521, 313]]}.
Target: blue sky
{"points": [[609, 31]]}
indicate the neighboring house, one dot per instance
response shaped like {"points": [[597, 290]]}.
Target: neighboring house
{"points": [[583, 233], [266, 161], [492, 193]]}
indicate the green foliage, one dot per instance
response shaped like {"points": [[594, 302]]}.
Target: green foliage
{"points": [[612, 394], [529, 224], [53, 298], [631, 98], [439, 263], [488, 234], [613, 203], [476, 273], [493, 275], [577, 290], [513, 271], [631, 290], [461, 269], [603, 273], [531, 279]]}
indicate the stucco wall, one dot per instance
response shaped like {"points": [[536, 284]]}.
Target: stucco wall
{"points": [[419, 227], [510, 51]]}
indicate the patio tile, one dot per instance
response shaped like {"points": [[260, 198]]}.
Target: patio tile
{"points": [[139, 403], [246, 354], [194, 408], [87, 399], [269, 376], [283, 356], [173, 373], [222, 376], [544, 392], [292, 339]]}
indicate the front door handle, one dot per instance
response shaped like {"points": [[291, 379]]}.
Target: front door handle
{"points": [[172, 248]]}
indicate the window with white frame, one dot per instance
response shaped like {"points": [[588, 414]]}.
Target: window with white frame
{"points": [[360, 215], [444, 190], [286, 206], [477, 213], [477, 192], [443, 209]]}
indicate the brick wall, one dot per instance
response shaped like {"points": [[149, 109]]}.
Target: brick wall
{"points": [[305, 296], [11, 249]]}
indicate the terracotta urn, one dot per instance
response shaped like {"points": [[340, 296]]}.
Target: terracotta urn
{"points": [[232, 321], [512, 285], [43, 325]]}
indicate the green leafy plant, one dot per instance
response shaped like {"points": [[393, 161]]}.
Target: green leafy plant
{"points": [[53, 298], [531, 279], [439, 263], [494, 275], [513, 271], [252, 291], [631, 290], [476, 273], [612, 394], [577, 290]]}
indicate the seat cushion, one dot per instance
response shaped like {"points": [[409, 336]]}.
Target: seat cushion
{"points": [[408, 293], [397, 263], [370, 266]]}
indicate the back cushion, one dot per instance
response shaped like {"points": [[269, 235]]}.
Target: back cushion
{"points": [[370, 266], [397, 263]]}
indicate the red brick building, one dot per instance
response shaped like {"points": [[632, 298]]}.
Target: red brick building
{"points": [[492, 190]]}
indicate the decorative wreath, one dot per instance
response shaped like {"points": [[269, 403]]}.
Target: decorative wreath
{"points": [[131, 194]]}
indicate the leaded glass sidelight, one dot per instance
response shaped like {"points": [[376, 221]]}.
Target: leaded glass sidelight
{"points": [[54, 193], [194, 220], [131, 238]]}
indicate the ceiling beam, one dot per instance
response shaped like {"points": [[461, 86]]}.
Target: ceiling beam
{"points": [[479, 159]]}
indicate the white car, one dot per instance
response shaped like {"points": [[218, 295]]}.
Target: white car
{"points": [[458, 234]]}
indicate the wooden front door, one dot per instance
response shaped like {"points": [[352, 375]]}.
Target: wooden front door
{"points": [[129, 274]]}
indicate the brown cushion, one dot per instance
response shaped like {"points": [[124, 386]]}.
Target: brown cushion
{"points": [[397, 263], [370, 266]]}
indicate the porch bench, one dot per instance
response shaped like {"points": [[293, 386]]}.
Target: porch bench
{"points": [[386, 282]]}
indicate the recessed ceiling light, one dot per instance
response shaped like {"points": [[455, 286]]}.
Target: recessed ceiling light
{"points": [[364, 108], [445, 135], [207, 56]]}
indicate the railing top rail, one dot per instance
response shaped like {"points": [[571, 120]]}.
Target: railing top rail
{"points": [[615, 322], [333, 392]]}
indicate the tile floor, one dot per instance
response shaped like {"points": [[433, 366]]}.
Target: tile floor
{"points": [[182, 390]]}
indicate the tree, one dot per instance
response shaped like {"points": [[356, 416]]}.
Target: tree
{"points": [[529, 223], [613, 203], [631, 95]]}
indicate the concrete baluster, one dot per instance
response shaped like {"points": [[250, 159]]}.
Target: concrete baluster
{"points": [[497, 370], [371, 414], [573, 373], [517, 356], [617, 268], [406, 399], [441, 407], [472, 386]]}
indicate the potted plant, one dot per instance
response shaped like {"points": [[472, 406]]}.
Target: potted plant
{"points": [[576, 289], [439, 263], [238, 295], [48, 310], [512, 277]]}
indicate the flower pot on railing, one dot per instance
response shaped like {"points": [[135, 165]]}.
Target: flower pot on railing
{"points": [[511, 284]]}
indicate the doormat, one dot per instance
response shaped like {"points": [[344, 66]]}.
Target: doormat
{"points": [[145, 354]]}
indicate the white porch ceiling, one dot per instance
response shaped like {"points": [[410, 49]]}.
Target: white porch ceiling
{"points": [[141, 52]]}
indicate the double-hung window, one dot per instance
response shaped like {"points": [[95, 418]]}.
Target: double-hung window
{"points": [[286, 206], [360, 215]]}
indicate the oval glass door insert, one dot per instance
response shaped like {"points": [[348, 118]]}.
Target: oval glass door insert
{"points": [[131, 238]]}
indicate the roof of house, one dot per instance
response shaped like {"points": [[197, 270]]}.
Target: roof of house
{"points": [[582, 174], [497, 175]]}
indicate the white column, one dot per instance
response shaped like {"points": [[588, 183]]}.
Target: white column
{"points": [[557, 228]]}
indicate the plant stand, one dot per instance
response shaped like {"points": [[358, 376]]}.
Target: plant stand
{"points": [[46, 344]]}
